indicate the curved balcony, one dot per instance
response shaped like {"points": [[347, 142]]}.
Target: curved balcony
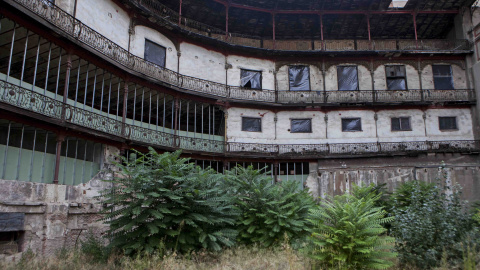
{"points": [[22, 98], [166, 15], [115, 53]]}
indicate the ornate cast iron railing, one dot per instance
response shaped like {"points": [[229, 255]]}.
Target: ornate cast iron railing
{"points": [[35, 102], [167, 15], [113, 51], [376, 96]]}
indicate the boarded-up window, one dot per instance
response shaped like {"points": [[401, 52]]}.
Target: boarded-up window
{"points": [[442, 77], [251, 124], [347, 77], [447, 123], [396, 77], [155, 53], [401, 124], [351, 124], [299, 78], [301, 126], [251, 79]]}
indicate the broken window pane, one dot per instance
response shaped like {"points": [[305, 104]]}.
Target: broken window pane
{"points": [[347, 78], [299, 77], [155, 53], [351, 124], [251, 79], [447, 123], [401, 124], [301, 126], [396, 77], [442, 77], [251, 124]]}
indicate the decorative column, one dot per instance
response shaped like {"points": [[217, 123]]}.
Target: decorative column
{"points": [[67, 82]]}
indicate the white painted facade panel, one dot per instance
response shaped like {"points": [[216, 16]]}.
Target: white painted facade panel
{"points": [[201, 63]]}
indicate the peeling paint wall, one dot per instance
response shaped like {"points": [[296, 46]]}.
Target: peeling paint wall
{"points": [[239, 62], [202, 63]]}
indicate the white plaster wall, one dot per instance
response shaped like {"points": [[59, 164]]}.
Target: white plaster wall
{"points": [[198, 62], [464, 125], [234, 126], [137, 45], [239, 62], [284, 136], [476, 17], [316, 78], [332, 131], [66, 5], [364, 77], [380, 76], [334, 128], [106, 18], [384, 126], [459, 77]]}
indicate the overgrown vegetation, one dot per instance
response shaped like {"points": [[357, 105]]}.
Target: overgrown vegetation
{"points": [[165, 213], [268, 212], [431, 223], [348, 231], [162, 202]]}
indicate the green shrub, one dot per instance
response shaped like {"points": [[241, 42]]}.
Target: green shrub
{"points": [[95, 248], [347, 233], [269, 212], [430, 220], [161, 201]]}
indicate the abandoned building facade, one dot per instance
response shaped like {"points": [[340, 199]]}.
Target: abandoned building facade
{"points": [[323, 92]]}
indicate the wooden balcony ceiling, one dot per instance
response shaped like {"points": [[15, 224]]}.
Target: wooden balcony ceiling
{"points": [[253, 18]]}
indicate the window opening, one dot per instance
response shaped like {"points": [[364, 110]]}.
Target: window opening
{"points": [[442, 77], [299, 78], [347, 78], [447, 123], [401, 124], [155, 53], [351, 124], [396, 77], [251, 124], [251, 79], [301, 125]]}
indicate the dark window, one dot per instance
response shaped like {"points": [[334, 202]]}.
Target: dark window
{"points": [[251, 79], [251, 124], [442, 77], [155, 53], [347, 78], [351, 124], [301, 126], [401, 124], [447, 123], [396, 77], [299, 78]]}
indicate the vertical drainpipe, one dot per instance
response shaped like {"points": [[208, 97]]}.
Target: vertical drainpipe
{"points": [[75, 9], [67, 82], [124, 113], [60, 139], [419, 70], [175, 126], [324, 76], [372, 74]]}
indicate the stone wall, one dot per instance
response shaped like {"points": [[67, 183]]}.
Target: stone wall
{"points": [[57, 216]]}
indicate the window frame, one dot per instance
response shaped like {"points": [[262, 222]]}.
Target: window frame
{"points": [[447, 129], [451, 76], [338, 78], [388, 77], [291, 125], [249, 117], [400, 123], [309, 78], [251, 70], [156, 44], [352, 118]]}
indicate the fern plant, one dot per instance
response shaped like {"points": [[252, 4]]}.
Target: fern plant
{"points": [[269, 212], [347, 233], [161, 201]]}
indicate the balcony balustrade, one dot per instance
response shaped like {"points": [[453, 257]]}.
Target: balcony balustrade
{"points": [[99, 43], [31, 101]]}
